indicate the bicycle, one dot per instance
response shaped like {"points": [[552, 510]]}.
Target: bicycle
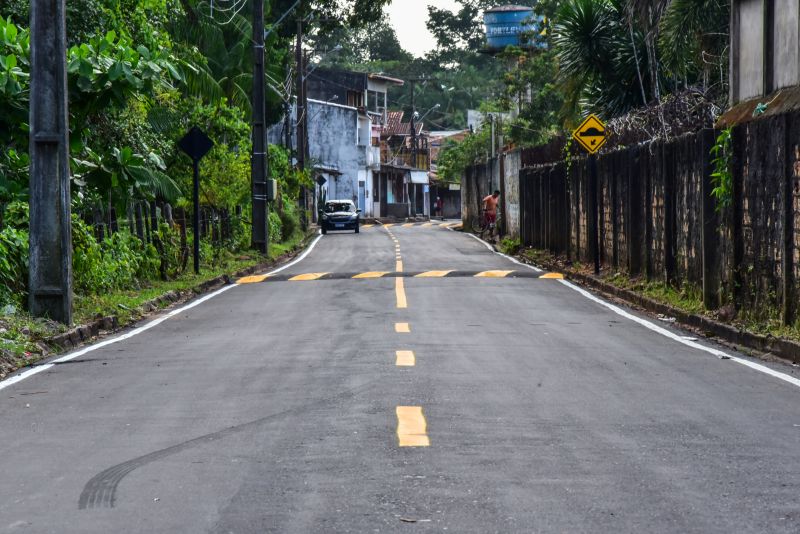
{"points": [[480, 226]]}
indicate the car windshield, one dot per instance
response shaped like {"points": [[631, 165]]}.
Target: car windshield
{"points": [[332, 207]]}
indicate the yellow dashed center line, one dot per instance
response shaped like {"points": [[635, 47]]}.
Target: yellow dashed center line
{"points": [[411, 427], [405, 358], [399, 266], [307, 277], [402, 328], [400, 291]]}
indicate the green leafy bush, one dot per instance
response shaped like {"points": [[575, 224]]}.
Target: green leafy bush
{"points": [[274, 227], [290, 219], [120, 262], [13, 265]]}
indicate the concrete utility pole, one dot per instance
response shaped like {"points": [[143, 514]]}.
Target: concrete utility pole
{"points": [[50, 267], [258, 160]]}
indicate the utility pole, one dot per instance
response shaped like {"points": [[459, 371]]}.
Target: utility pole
{"points": [[287, 109], [301, 105], [50, 242], [258, 160]]}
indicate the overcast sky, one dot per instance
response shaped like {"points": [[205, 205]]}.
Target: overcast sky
{"points": [[409, 17]]}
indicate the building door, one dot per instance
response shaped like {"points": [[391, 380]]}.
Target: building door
{"points": [[362, 196]]}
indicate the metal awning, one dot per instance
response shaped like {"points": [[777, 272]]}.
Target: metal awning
{"points": [[419, 177]]}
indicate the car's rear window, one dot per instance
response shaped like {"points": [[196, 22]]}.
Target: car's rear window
{"points": [[332, 207]]}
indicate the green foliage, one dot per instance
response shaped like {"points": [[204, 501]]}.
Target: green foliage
{"points": [[457, 156], [722, 177], [13, 265], [121, 261], [275, 228], [290, 218]]}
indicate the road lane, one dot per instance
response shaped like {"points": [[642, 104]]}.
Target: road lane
{"points": [[275, 408]]}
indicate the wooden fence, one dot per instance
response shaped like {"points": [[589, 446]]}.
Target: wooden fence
{"points": [[658, 218]]}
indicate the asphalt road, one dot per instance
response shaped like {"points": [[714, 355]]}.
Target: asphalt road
{"points": [[285, 406]]}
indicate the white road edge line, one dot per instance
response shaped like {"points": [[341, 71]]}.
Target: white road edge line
{"points": [[680, 339], [506, 256], [136, 331]]}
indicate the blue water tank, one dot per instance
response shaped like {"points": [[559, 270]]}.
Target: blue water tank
{"points": [[511, 26]]}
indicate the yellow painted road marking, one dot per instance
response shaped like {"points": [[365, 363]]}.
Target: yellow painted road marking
{"points": [[405, 358], [553, 276], [427, 225], [388, 225], [433, 274], [306, 277], [402, 328], [493, 274], [400, 291], [367, 225], [399, 266], [412, 429], [372, 274], [408, 225], [252, 279]]}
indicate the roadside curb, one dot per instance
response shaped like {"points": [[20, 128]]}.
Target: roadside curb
{"points": [[81, 334], [779, 347]]}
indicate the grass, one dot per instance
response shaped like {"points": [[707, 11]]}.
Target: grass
{"points": [[22, 336]]}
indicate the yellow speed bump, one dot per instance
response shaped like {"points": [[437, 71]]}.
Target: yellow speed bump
{"points": [[553, 276], [427, 225], [493, 274], [307, 277], [388, 225], [367, 225], [408, 225], [433, 274], [412, 430], [372, 274], [405, 358], [252, 279]]}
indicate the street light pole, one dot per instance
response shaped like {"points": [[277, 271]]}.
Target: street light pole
{"points": [[50, 241]]}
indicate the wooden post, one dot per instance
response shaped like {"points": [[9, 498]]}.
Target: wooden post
{"points": [[668, 169], [710, 227], [788, 305], [633, 213]]}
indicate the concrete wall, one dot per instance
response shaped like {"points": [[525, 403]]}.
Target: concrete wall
{"points": [[750, 64], [786, 28], [512, 164]]}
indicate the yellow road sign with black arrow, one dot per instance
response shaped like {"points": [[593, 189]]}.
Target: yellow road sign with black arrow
{"points": [[591, 134]]}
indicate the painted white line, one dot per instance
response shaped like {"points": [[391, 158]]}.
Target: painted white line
{"points": [[136, 331], [506, 256], [682, 339]]}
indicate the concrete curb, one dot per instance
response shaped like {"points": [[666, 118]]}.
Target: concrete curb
{"points": [[79, 335], [780, 347]]}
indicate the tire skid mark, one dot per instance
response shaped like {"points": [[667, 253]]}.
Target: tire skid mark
{"points": [[101, 490]]}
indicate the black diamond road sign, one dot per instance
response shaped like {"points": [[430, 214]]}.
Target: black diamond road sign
{"points": [[196, 143]]}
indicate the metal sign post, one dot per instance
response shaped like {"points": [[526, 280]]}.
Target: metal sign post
{"points": [[591, 135], [196, 144]]}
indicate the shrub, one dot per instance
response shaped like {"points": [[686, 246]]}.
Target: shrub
{"points": [[13, 266], [275, 227], [290, 220]]}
